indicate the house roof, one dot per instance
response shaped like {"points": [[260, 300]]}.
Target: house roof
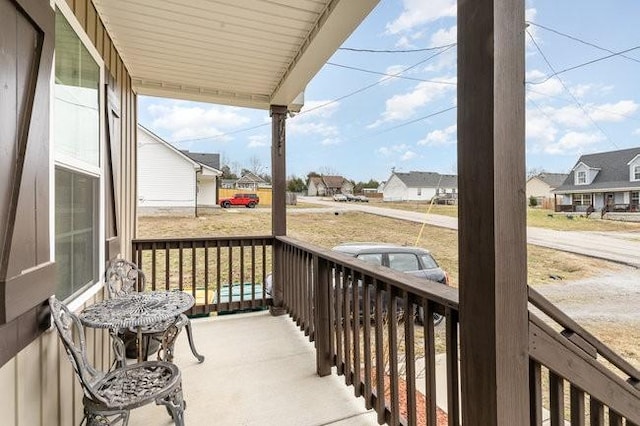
{"points": [[613, 174], [250, 178], [207, 159], [554, 180], [334, 182], [415, 179], [245, 53]]}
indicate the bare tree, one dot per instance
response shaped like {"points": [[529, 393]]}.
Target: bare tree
{"points": [[256, 166]]}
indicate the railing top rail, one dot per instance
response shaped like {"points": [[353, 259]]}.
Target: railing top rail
{"points": [[202, 239], [567, 323], [436, 292]]}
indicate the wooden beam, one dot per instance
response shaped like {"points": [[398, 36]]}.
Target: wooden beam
{"points": [[492, 227]]}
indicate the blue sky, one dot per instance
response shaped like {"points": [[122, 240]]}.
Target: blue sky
{"points": [[591, 108]]}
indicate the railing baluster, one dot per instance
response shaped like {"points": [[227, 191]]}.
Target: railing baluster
{"points": [[346, 304], [615, 419], [357, 378], [410, 361], [194, 268], [241, 273], [206, 278], [556, 399], [577, 406], [378, 318], [392, 322], [340, 319], [366, 307], [167, 267], [535, 393], [429, 362], [153, 266], [453, 373], [218, 276], [180, 266], [596, 412], [253, 275], [230, 276], [264, 273]]}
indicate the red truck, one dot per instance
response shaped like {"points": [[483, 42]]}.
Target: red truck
{"points": [[247, 200]]}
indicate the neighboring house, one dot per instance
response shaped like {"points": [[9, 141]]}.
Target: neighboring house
{"points": [[169, 178], [251, 182], [607, 181], [420, 186], [541, 188], [328, 185]]}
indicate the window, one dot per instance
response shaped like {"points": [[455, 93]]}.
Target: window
{"points": [[428, 262], [581, 199], [403, 262], [581, 178], [635, 198], [636, 172], [372, 258], [77, 155], [419, 192]]}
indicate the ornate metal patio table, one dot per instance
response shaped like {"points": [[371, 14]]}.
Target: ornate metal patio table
{"points": [[136, 310]]}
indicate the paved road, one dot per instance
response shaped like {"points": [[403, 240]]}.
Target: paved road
{"points": [[620, 247]]}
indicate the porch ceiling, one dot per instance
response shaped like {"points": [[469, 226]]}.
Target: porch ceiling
{"points": [[251, 53]]}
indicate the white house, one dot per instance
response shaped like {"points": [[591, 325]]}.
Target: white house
{"points": [[419, 186], [605, 181], [190, 183], [541, 187]]}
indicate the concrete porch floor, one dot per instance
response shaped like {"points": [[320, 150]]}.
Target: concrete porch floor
{"points": [[259, 370]]}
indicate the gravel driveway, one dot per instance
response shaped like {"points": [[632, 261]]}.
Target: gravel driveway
{"points": [[612, 296]]}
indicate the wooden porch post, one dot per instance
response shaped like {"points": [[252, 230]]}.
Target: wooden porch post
{"points": [[492, 215], [278, 199]]}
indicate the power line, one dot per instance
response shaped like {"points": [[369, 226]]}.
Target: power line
{"points": [[426, 49], [556, 73], [569, 91], [389, 75], [579, 40], [407, 123], [348, 95]]}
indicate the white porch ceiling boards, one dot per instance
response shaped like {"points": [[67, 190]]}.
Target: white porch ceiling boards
{"points": [[251, 53]]}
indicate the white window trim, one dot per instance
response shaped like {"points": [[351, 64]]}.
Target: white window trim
{"points": [[578, 172], [78, 165], [635, 170]]}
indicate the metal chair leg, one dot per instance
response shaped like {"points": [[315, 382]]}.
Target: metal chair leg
{"points": [[199, 357]]}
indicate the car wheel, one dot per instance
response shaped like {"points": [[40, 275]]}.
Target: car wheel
{"points": [[437, 318], [251, 205], [226, 205]]}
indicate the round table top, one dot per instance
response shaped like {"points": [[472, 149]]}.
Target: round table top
{"points": [[136, 309]]}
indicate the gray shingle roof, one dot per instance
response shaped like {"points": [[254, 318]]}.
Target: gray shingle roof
{"points": [[416, 179], [208, 159], [554, 180], [613, 174]]}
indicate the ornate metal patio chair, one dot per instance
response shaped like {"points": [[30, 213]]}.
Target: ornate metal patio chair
{"points": [[122, 278], [108, 398]]}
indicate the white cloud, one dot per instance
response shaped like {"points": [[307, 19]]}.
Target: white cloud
{"points": [[404, 106], [418, 12], [613, 112], [408, 156], [315, 119], [573, 143], [443, 37], [257, 141], [392, 70], [551, 87], [442, 137], [182, 121], [539, 126], [330, 142], [636, 132]]}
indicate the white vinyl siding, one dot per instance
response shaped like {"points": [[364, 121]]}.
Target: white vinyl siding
{"points": [[165, 178]]}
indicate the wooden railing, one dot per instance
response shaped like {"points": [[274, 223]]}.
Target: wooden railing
{"points": [[603, 387], [223, 274], [391, 360], [360, 340], [383, 359]]}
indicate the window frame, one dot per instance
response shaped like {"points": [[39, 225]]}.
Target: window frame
{"points": [[79, 297], [579, 174], [636, 172]]}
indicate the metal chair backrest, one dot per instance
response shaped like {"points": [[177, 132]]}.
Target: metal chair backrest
{"points": [[71, 333], [123, 277]]}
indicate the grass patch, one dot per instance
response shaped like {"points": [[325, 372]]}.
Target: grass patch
{"points": [[328, 229]]}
